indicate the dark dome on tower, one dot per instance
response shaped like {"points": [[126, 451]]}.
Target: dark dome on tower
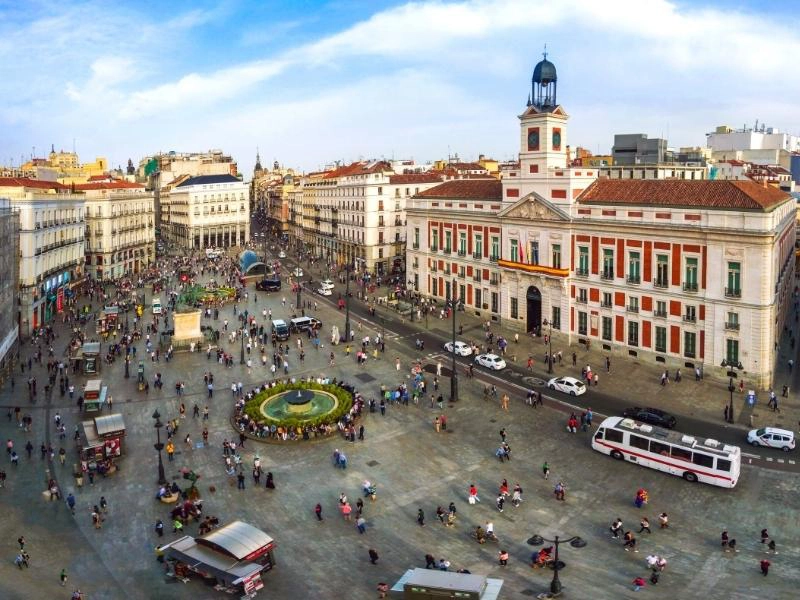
{"points": [[544, 72]]}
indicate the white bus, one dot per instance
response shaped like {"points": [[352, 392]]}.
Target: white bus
{"points": [[156, 306], [693, 458]]}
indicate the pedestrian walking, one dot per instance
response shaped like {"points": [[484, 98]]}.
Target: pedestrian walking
{"points": [[630, 542], [473, 494], [764, 536], [160, 528], [724, 540], [765, 564], [421, 517], [546, 470], [560, 492], [771, 547], [361, 524], [503, 558], [616, 528], [644, 525], [63, 577], [373, 556], [318, 511], [663, 521]]}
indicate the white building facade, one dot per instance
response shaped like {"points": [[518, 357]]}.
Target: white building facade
{"points": [[207, 211]]}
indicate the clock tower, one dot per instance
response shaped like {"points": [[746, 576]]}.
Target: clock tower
{"points": [[543, 154]]}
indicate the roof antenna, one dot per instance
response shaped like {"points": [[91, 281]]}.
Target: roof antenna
{"points": [[544, 54]]}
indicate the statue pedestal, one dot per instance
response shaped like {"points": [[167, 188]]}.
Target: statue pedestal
{"points": [[187, 328]]}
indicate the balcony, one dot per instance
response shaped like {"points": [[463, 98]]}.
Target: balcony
{"points": [[605, 304], [494, 258], [631, 308], [434, 268], [732, 326], [447, 250], [462, 252], [660, 314], [633, 279], [733, 292], [447, 270], [494, 280], [434, 248], [539, 269], [661, 283], [581, 300], [477, 277], [690, 286], [581, 272], [607, 275], [462, 274], [689, 318], [477, 255], [415, 246]]}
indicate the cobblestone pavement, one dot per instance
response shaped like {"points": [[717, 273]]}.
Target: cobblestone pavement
{"points": [[413, 467]]}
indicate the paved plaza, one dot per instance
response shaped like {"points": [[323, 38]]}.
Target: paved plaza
{"points": [[413, 466]]}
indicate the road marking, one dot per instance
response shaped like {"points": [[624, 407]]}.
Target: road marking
{"points": [[751, 455], [791, 462], [769, 459], [781, 461]]}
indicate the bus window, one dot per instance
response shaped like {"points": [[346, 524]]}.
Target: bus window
{"points": [[681, 453], [599, 434], [612, 435], [723, 465], [704, 460], [659, 448], [640, 442]]}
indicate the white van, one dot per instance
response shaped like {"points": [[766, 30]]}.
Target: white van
{"points": [[157, 306], [772, 437]]}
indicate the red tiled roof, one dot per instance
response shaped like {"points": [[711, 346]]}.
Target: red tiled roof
{"points": [[359, 168], [99, 178], [467, 189], [415, 178], [31, 183], [462, 166], [108, 185], [722, 194]]}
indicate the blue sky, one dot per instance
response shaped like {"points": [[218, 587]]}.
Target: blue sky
{"points": [[310, 82]]}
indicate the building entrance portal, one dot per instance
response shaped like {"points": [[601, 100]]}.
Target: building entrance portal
{"points": [[534, 297]]}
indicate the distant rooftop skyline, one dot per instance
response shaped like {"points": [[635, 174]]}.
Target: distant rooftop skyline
{"points": [[343, 80]]}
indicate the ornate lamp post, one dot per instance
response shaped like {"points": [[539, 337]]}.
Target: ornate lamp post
{"points": [[454, 378], [410, 283], [574, 541], [159, 447], [241, 336], [550, 348]]}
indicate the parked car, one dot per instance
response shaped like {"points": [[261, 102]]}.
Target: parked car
{"points": [[772, 437], [568, 385], [269, 285], [462, 348], [653, 416], [282, 254], [491, 361], [326, 283], [323, 291], [298, 272]]}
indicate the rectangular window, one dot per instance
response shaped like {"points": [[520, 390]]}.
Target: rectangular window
{"points": [[703, 460], [689, 343], [534, 253], [514, 251], [478, 246], [606, 302], [514, 308], [582, 296], [662, 271], [680, 453], [608, 324], [640, 442], [732, 351], [416, 238], [691, 314], [661, 308], [495, 302], [495, 252], [732, 321], [556, 317], [434, 240], [723, 465], [556, 256], [583, 260], [608, 264], [612, 435], [659, 448], [582, 320], [633, 333], [734, 287], [478, 298], [690, 275], [661, 339], [448, 241], [633, 304], [634, 275]]}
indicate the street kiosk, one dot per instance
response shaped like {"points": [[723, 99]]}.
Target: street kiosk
{"points": [[422, 584], [87, 358], [94, 395], [107, 319], [102, 443], [231, 558]]}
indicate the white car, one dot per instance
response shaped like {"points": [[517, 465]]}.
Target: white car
{"points": [[568, 385], [772, 437], [491, 361], [323, 291], [462, 349], [282, 254], [326, 284], [298, 272]]}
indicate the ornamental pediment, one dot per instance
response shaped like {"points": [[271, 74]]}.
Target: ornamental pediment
{"points": [[534, 208]]}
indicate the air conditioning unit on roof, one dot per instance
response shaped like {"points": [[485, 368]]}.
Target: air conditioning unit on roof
{"points": [[687, 439], [711, 443]]}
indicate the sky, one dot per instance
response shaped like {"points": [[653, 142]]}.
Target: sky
{"points": [[311, 82]]}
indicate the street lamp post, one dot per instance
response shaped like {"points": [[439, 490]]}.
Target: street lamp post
{"points": [[410, 282], [454, 378], [347, 304], [731, 389], [159, 447], [574, 541], [550, 348], [241, 336]]}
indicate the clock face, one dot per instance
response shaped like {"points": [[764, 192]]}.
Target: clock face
{"points": [[533, 139], [556, 140]]}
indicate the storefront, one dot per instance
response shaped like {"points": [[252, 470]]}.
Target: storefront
{"points": [[232, 558]]}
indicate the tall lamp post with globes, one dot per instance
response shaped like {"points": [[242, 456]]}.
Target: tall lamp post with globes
{"points": [[574, 541], [159, 447]]}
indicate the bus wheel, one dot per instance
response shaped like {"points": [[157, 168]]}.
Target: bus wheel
{"points": [[689, 476], [617, 454]]}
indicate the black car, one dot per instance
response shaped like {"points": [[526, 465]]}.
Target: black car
{"points": [[653, 416], [269, 285]]}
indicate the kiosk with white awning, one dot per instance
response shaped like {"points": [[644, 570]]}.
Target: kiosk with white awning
{"points": [[234, 555]]}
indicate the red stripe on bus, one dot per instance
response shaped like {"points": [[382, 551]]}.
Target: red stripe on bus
{"points": [[663, 462]]}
